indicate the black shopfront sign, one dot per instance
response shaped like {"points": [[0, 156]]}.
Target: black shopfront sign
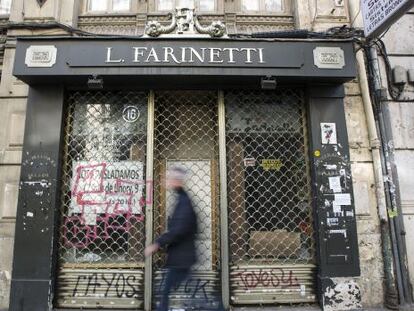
{"points": [[45, 58]]}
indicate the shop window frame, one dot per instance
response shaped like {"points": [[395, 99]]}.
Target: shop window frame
{"points": [[286, 9], [85, 9], [218, 7], [4, 15]]}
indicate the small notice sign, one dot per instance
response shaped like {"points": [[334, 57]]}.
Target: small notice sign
{"points": [[271, 164], [329, 57], [378, 15], [41, 56], [342, 199], [249, 162], [335, 184]]}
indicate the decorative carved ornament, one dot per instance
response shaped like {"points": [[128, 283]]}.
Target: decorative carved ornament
{"points": [[184, 21], [41, 2]]}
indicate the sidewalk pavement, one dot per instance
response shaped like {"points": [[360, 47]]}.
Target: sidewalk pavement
{"points": [[272, 309], [279, 308], [288, 308]]}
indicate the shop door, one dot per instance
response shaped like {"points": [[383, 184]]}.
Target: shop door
{"points": [[102, 232], [186, 135], [271, 239]]}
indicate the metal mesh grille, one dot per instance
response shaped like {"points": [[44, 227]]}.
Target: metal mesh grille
{"points": [[270, 215], [186, 134], [102, 232], [102, 225]]}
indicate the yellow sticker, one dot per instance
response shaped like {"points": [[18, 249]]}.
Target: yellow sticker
{"points": [[392, 213], [317, 153], [271, 164]]}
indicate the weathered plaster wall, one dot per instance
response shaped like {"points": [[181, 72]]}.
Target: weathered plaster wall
{"points": [[12, 112], [400, 47], [13, 96], [371, 280]]}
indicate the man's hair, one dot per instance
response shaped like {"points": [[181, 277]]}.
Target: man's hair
{"points": [[178, 173]]}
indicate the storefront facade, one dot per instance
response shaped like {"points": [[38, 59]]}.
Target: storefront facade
{"points": [[258, 124]]}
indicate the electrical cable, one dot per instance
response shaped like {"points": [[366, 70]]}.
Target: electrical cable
{"points": [[394, 91], [51, 25], [341, 32]]}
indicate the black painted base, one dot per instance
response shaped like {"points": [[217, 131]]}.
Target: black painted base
{"points": [[29, 295]]}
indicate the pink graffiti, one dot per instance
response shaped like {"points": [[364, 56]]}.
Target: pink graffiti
{"points": [[277, 277], [80, 235], [105, 206], [85, 181]]}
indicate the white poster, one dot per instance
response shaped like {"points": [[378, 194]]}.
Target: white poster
{"points": [[328, 132], [335, 184], [337, 209], [106, 188], [342, 199]]}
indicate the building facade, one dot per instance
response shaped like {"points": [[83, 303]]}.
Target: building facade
{"points": [[396, 77], [100, 98]]}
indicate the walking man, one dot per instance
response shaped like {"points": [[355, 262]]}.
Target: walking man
{"points": [[179, 239]]}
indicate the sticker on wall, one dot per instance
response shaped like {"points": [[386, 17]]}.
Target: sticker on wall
{"points": [[271, 164], [317, 153], [130, 114], [328, 131], [336, 208], [335, 184], [332, 222], [342, 199], [249, 162], [349, 214], [339, 231]]}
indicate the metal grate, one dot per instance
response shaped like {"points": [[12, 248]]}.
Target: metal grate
{"points": [[102, 232], [102, 226], [186, 134], [270, 215]]}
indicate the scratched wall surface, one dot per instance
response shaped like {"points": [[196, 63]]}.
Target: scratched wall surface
{"points": [[369, 239]]}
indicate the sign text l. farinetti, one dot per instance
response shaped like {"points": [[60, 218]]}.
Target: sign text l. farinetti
{"points": [[182, 55]]}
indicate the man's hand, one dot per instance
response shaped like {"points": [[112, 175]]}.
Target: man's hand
{"points": [[151, 249]]}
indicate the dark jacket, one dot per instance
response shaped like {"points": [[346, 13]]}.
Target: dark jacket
{"points": [[181, 233]]}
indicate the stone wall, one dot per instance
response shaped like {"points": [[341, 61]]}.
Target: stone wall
{"points": [[399, 41], [12, 112]]}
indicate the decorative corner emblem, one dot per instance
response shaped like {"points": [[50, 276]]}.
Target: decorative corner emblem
{"points": [[41, 2], [41, 56], [329, 57], [184, 21]]}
